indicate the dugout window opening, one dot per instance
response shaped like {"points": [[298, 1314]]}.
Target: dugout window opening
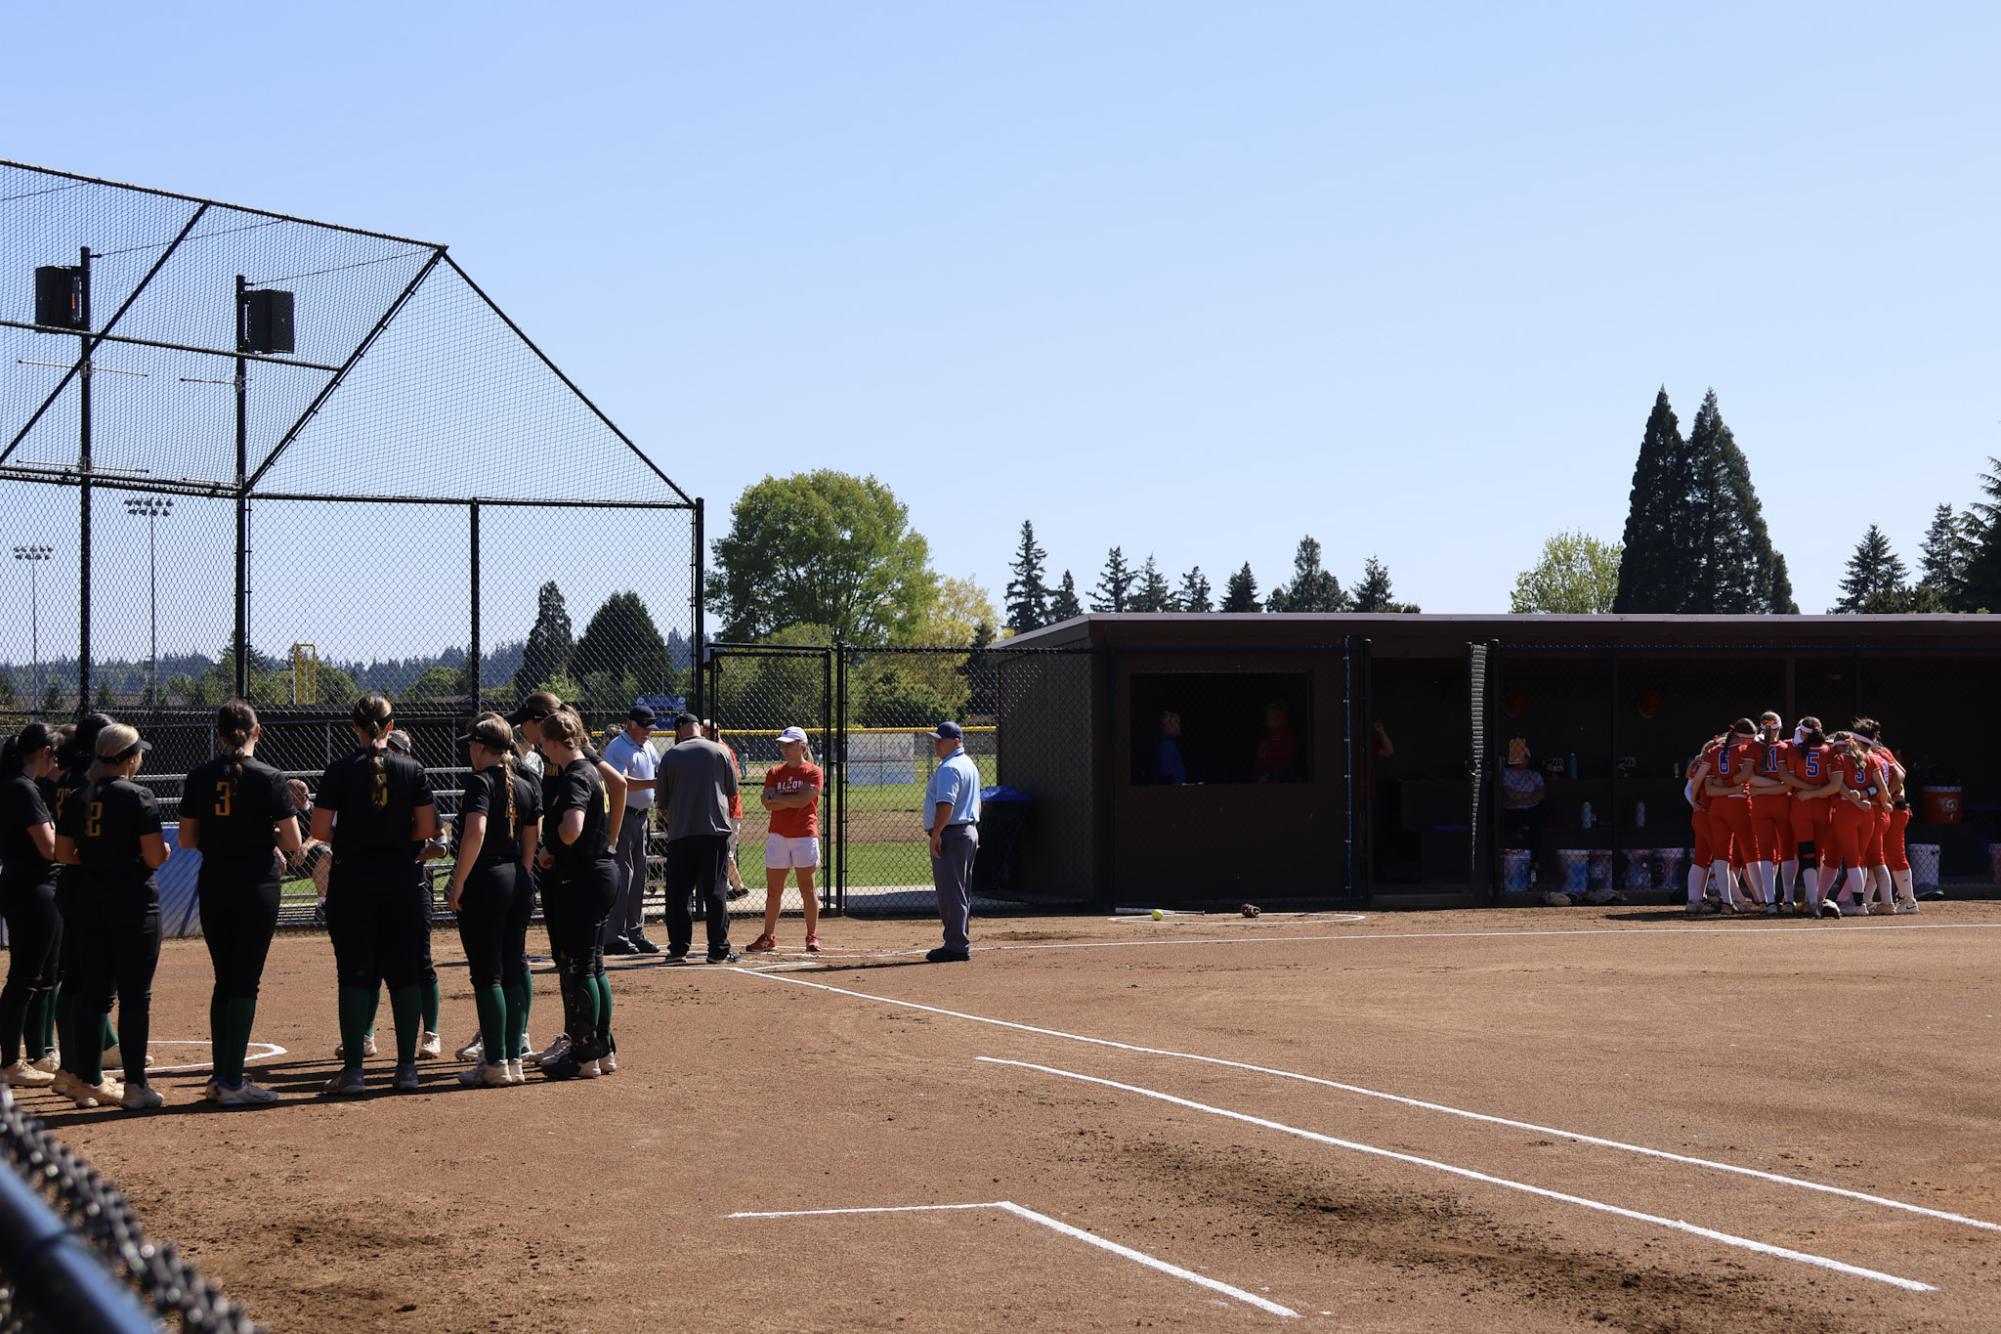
{"points": [[1206, 728]]}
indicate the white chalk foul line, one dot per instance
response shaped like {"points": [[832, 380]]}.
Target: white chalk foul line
{"points": [[1054, 1225], [259, 1051], [1711, 1234], [1443, 1109]]}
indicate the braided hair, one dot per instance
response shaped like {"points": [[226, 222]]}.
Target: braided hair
{"points": [[497, 735], [234, 722], [373, 717]]}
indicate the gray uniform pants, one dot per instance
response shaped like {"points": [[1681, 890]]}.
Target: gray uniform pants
{"points": [[952, 876], [628, 910]]}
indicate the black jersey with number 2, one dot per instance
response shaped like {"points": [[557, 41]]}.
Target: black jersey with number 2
{"points": [[237, 812], [106, 821]]}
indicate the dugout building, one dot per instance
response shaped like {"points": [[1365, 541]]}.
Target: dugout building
{"points": [[1284, 791]]}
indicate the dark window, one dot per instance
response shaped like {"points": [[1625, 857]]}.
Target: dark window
{"points": [[1222, 727]]}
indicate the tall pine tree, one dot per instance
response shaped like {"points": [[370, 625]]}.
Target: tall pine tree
{"points": [[1736, 570], [1241, 592], [1063, 603], [1115, 584], [1193, 595], [547, 652], [1151, 591], [1653, 562], [1027, 597], [1875, 581], [1942, 560], [1313, 586], [1983, 560], [1373, 592]]}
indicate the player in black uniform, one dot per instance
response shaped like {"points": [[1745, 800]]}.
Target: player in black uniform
{"points": [[77, 1022], [578, 888], [500, 822], [110, 829], [375, 909], [238, 812], [27, 896]]}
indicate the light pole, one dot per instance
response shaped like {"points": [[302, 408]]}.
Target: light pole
{"points": [[34, 554], [152, 509]]}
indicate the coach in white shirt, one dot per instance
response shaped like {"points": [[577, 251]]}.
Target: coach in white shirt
{"points": [[625, 928]]}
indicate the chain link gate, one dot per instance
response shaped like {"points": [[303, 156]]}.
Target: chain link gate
{"points": [[754, 692]]}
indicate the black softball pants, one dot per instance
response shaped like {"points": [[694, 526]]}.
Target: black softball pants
{"points": [[34, 936], [486, 918], [239, 914], [378, 916], [117, 957], [696, 869]]}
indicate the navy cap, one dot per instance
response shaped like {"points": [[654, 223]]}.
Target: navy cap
{"points": [[947, 732], [685, 719], [642, 715]]}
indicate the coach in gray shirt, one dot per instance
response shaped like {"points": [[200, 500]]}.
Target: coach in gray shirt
{"points": [[696, 779]]}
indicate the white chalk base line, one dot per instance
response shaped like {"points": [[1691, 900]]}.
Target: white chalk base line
{"points": [[1443, 1109], [1711, 1234], [1054, 1225]]}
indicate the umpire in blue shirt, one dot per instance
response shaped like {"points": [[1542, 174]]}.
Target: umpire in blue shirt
{"points": [[952, 819]]}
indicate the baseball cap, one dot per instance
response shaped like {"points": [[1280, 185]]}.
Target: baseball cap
{"points": [[686, 719], [792, 734], [947, 732], [534, 708], [642, 715], [400, 743], [117, 741], [490, 731]]}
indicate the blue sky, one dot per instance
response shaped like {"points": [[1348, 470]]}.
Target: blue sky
{"points": [[1193, 279]]}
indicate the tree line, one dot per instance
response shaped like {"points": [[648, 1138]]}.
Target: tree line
{"points": [[1695, 541], [1122, 586]]}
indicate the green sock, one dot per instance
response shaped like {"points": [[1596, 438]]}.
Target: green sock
{"points": [[434, 1003], [218, 1035], [374, 1001], [108, 1036], [491, 1003], [357, 1012], [406, 1011], [65, 1017], [603, 987], [517, 1018], [239, 1016], [527, 1003], [34, 1026]]}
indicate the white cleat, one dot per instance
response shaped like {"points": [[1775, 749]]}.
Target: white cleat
{"points": [[430, 1046], [473, 1050], [21, 1075], [250, 1095], [140, 1098], [367, 1048]]}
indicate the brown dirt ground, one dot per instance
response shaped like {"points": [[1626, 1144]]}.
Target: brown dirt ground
{"points": [[1858, 1054]]}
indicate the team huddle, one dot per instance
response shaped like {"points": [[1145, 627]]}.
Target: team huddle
{"points": [[1761, 801], [80, 842]]}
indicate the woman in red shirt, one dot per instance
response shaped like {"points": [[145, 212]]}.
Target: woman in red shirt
{"points": [[792, 795], [1730, 813], [1853, 821]]}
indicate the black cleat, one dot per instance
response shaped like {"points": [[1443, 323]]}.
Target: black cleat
{"points": [[943, 955]]}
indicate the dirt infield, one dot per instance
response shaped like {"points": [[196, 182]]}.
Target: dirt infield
{"points": [[1371, 1124]]}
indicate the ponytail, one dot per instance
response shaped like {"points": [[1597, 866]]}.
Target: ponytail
{"points": [[372, 717], [14, 754], [234, 722], [507, 778]]}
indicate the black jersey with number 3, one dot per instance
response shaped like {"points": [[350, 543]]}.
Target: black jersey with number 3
{"points": [[373, 794], [576, 787], [106, 821], [237, 811]]}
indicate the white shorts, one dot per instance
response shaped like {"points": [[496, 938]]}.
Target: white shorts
{"points": [[782, 853]]}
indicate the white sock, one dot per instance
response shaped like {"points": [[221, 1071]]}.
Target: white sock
{"points": [[1761, 877], [1906, 891], [1855, 889], [1698, 876], [1886, 888], [1789, 875], [1810, 884], [1725, 882]]}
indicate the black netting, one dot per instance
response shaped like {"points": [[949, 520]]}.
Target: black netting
{"points": [[77, 1253]]}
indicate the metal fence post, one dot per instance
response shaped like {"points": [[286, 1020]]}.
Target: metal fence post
{"points": [[698, 597], [83, 465], [472, 683]]}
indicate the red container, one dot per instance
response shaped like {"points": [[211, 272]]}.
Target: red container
{"points": [[1940, 805]]}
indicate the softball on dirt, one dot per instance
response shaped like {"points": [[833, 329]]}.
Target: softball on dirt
{"points": [[1250, 910], [1160, 914]]}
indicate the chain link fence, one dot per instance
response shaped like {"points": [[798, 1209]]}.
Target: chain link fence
{"points": [[868, 711], [246, 453]]}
